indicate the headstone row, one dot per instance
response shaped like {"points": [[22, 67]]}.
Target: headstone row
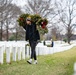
{"points": [[19, 50], [13, 51]]}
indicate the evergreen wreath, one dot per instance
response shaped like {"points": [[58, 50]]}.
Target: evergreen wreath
{"points": [[37, 19]]}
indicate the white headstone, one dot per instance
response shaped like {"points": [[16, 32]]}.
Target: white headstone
{"points": [[14, 51], [28, 51], [19, 53], [8, 55], [1, 55], [75, 69], [23, 52]]}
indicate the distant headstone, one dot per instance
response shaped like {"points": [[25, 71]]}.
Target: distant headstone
{"points": [[1, 55]]}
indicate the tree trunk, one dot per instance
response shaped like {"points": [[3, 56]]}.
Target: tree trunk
{"points": [[68, 40], [69, 34], [16, 35], [1, 31], [7, 36], [69, 37]]}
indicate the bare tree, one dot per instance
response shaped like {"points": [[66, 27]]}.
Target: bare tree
{"points": [[41, 7], [55, 32], [13, 13], [8, 15], [3, 5], [66, 13]]}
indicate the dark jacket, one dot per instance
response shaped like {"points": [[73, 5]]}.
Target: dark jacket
{"points": [[32, 33]]}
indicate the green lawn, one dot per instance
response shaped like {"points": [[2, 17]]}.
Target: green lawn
{"points": [[56, 64]]}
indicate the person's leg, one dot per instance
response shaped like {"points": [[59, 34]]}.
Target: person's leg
{"points": [[30, 60], [35, 58], [33, 52]]}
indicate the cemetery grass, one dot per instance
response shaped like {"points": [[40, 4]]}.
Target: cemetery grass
{"points": [[55, 64]]}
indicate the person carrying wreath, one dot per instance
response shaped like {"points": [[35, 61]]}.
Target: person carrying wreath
{"points": [[32, 35]]}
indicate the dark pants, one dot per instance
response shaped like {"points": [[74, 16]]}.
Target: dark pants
{"points": [[33, 52]]}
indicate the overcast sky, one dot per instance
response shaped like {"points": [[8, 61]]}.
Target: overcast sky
{"points": [[20, 2]]}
